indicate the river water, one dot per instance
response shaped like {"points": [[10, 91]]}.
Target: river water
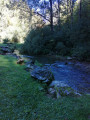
{"points": [[68, 73]]}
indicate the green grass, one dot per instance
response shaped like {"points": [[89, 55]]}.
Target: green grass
{"points": [[2, 44], [18, 45], [21, 98]]}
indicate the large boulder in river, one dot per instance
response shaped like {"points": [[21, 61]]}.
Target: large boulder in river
{"points": [[42, 74]]}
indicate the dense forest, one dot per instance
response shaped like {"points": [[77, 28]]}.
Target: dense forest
{"points": [[60, 27]]}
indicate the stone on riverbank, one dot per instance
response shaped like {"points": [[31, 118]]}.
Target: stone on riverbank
{"points": [[42, 74], [20, 61], [30, 65], [59, 88], [7, 49]]}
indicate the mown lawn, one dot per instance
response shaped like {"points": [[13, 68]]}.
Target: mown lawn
{"points": [[21, 98]]}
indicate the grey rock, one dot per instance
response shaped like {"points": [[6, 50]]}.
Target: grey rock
{"points": [[5, 49], [52, 92], [58, 84], [30, 67], [77, 94], [42, 74], [69, 58], [61, 89], [16, 52], [47, 64], [20, 61], [58, 65]]}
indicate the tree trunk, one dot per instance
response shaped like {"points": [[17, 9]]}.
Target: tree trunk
{"points": [[59, 23], [71, 11], [67, 6], [51, 15], [67, 12], [80, 9]]}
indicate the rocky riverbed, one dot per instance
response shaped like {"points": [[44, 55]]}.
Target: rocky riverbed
{"points": [[73, 73]]}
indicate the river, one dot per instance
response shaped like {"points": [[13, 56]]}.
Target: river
{"points": [[68, 73]]}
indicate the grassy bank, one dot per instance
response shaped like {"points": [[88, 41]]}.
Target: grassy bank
{"points": [[21, 98]]}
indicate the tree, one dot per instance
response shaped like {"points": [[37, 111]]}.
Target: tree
{"points": [[51, 15], [14, 20], [59, 3], [71, 11], [80, 9]]}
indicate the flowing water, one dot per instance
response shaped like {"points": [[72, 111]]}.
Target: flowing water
{"points": [[68, 73], [72, 76]]}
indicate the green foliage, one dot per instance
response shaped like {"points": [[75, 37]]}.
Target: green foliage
{"points": [[82, 52], [60, 46], [37, 42], [73, 42], [70, 39], [14, 19], [5, 41], [15, 38]]}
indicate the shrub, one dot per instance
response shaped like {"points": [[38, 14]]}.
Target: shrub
{"points": [[5, 41], [60, 46], [82, 52], [15, 39], [38, 41]]}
